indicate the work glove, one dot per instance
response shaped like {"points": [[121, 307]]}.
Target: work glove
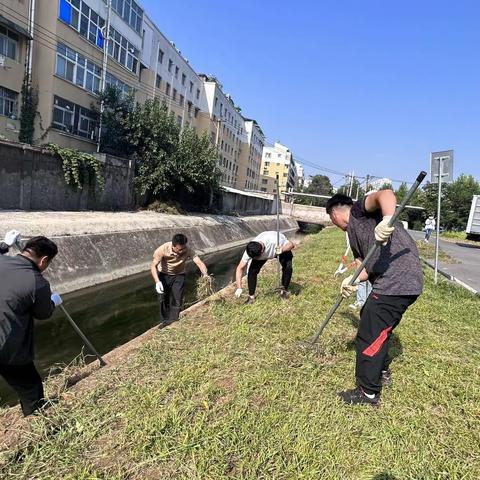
{"points": [[159, 287], [347, 289], [238, 293], [278, 250], [56, 299], [383, 231], [11, 237]]}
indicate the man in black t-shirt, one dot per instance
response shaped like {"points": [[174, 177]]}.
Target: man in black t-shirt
{"points": [[396, 275]]}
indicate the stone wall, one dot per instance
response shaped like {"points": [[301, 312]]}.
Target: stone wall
{"points": [[31, 179]]}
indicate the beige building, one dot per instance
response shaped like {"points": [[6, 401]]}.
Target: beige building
{"points": [[222, 120], [251, 157], [277, 160]]}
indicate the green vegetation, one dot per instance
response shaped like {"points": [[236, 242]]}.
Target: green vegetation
{"points": [[231, 392], [427, 251], [28, 112], [78, 167], [171, 162]]}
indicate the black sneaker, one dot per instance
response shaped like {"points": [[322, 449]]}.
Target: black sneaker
{"points": [[284, 294], [386, 378], [250, 300], [357, 396]]}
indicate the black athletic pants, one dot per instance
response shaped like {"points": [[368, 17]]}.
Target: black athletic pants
{"points": [[26, 381], [171, 299], [379, 316], [256, 265]]}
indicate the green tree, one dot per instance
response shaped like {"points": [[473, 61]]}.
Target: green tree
{"points": [[28, 112], [319, 185]]}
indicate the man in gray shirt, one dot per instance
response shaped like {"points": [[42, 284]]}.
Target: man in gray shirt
{"points": [[396, 275]]}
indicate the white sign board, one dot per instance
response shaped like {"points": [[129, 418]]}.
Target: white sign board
{"points": [[446, 157]]}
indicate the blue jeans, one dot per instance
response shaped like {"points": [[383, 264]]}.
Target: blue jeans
{"points": [[363, 291], [428, 232]]}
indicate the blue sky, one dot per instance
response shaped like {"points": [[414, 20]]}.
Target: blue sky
{"points": [[372, 86]]}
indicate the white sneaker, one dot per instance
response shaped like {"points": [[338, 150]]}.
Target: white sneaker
{"points": [[356, 306]]}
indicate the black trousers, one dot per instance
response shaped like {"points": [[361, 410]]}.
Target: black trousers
{"points": [[26, 381], [171, 299], [256, 265], [379, 316]]}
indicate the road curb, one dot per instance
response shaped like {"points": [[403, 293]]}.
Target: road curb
{"points": [[451, 277]]}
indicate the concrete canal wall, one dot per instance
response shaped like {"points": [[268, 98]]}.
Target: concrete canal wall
{"points": [[97, 247]]}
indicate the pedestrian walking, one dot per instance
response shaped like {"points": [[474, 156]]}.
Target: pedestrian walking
{"points": [[396, 276], [168, 272], [262, 248], [25, 296], [430, 225]]}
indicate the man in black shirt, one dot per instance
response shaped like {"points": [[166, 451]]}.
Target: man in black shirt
{"points": [[25, 296], [396, 275]]}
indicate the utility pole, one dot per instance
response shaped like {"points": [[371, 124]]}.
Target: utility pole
{"points": [[367, 178], [351, 183], [106, 38], [31, 23]]}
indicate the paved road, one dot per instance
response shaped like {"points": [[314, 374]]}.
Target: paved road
{"points": [[468, 256]]}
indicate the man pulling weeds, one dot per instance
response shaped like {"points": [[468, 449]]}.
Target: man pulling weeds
{"points": [[262, 248], [168, 271], [396, 276]]}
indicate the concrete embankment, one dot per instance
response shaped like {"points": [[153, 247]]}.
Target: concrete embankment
{"points": [[96, 247]]}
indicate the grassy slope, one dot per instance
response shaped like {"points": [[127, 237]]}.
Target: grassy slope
{"points": [[231, 394]]}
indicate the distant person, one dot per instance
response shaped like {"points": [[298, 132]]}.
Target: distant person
{"points": [[396, 276], [25, 296], [364, 290], [430, 225], [262, 248], [168, 271]]}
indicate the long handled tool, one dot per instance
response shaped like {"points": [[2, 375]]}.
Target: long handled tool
{"points": [[279, 279], [370, 253], [342, 267], [82, 336]]}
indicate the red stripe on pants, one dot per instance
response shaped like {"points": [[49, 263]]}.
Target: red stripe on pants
{"points": [[376, 345]]}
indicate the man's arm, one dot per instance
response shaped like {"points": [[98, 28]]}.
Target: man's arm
{"points": [[363, 275], [201, 266], [239, 273], [287, 247], [383, 200]]}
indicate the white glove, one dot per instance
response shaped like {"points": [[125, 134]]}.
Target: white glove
{"points": [[346, 289], [383, 231], [159, 287], [238, 293], [278, 250], [11, 237], [56, 299]]}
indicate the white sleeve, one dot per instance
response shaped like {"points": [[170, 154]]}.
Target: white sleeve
{"points": [[245, 257], [283, 240]]}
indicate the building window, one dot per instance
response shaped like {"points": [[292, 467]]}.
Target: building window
{"points": [[158, 81], [191, 87], [124, 52], [267, 164], [167, 89], [176, 72], [82, 18], [179, 120], [77, 69], [182, 100], [114, 81], [72, 118], [184, 79], [198, 93], [216, 101], [268, 155], [174, 94], [130, 12], [170, 65], [8, 43], [195, 114], [285, 174], [160, 56], [8, 102]]}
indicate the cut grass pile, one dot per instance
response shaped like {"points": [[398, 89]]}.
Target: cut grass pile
{"points": [[230, 393]]}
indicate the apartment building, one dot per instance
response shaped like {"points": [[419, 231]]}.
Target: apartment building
{"points": [[251, 157], [14, 50], [300, 176], [277, 160], [224, 123], [167, 75]]}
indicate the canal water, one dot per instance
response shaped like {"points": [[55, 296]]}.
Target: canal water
{"points": [[112, 314]]}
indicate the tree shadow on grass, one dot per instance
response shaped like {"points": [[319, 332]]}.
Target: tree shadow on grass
{"points": [[384, 476]]}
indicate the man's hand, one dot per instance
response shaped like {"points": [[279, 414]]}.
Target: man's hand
{"points": [[11, 237], [278, 250], [383, 231], [238, 292], [347, 289], [159, 287], [56, 299]]}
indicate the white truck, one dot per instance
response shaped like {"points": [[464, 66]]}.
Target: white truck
{"points": [[473, 225]]}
